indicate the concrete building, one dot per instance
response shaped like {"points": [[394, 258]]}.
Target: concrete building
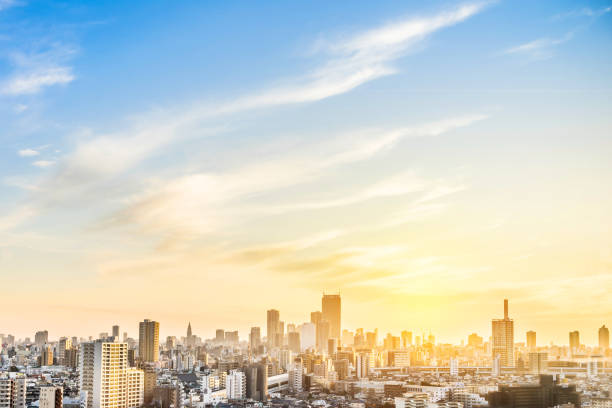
{"points": [[51, 397], [148, 341], [331, 310], [503, 338]]}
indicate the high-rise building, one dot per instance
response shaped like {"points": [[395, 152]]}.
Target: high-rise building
{"points": [[308, 336], [362, 364], [116, 332], [12, 391], [574, 340], [273, 320], [293, 342], [41, 338], [63, 344], [148, 341], [453, 366], [255, 339], [323, 334], [257, 382], [220, 335], [531, 340], [149, 381], [331, 311], [503, 338], [604, 337], [46, 355], [105, 375], [51, 396]]}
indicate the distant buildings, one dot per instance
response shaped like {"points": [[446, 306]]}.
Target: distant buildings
{"points": [[538, 363], [531, 340], [574, 340], [503, 338], [604, 337]]}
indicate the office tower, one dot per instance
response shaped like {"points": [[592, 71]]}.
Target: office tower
{"points": [[12, 391], [348, 338], [574, 340], [220, 335], [231, 337], [293, 342], [474, 340], [280, 334], [295, 375], [273, 319], [63, 344], [531, 340], [51, 396], [46, 356], [116, 332], [315, 317], [331, 311], [125, 337], [257, 382], [41, 338], [538, 363], [323, 332], [308, 339], [170, 343], [148, 341], [406, 339], [362, 364], [604, 337], [453, 367], [105, 376], [235, 385], [254, 339], [503, 338]]}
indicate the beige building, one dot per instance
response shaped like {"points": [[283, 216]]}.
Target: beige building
{"points": [[503, 338], [148, 341]]}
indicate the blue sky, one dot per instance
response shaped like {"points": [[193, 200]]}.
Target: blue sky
{"points": [[407, 153]]}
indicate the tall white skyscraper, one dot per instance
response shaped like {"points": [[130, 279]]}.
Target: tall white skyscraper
{"points": [[105, 375]]}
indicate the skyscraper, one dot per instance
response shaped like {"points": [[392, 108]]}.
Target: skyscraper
{"points": [[116, 331], [148, 341], [331, 311], [574, 340], [41, 338], [503, 338], [273, 319], [255, 339], [604, 337], [531, 340]]}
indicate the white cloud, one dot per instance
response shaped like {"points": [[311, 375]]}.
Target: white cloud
{"points": [[199, 203], [583, 12], [43, 163], [28, 153], [34, 81], [352, 62], [540, 47]]}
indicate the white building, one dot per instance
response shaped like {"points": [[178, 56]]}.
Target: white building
{"points": [[308, 336], [236, 385], [295, 374], [51, 397], [454, 367], [12, 391], [105, 375]]}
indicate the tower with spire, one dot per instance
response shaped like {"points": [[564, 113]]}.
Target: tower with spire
{"points": [[189, 330]]}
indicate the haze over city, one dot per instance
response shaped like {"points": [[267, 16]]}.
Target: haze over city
{"points": [[205, 162]]}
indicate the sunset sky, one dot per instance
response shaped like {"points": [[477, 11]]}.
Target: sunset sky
{"points": [[206, 161]]}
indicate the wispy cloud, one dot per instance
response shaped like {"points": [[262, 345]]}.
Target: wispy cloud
{"points": [[38, 70], [198, 203], [540, 48], [5, 4], [351, 62], [28, 152], [583, 12]]}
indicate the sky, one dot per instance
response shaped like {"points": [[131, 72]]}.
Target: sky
{"points": [[206, 161]]}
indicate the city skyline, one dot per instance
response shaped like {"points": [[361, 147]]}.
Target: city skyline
{"points": [[151, 335], [205, 162]]}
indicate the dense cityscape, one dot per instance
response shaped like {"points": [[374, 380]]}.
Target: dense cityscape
{"points": [[313, 364]]}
